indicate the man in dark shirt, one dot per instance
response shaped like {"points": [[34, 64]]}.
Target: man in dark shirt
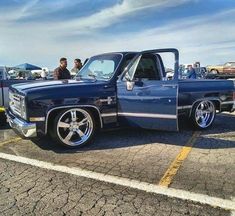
{"points": [[62, 72], [191, 72]]}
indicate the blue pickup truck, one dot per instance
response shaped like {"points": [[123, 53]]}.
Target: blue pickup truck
{"points": [[115, 90]]}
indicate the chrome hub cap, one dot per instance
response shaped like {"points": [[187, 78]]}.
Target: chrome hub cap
{"points": [[204, 114], [75, 127]]}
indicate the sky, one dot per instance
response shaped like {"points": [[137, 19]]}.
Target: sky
{"points": [[42, 31]]}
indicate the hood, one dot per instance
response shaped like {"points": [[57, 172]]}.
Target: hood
{"points": [[51, 84]]}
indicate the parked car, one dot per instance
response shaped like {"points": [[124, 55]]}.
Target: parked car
{"points": [[227, 69], [8, 77], [110, 93]]}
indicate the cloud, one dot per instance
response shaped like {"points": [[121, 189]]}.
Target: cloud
{"points": [[26, 10], [209, 38], [111, 15], [17, 11]]}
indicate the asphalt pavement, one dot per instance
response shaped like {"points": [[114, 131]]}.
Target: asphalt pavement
{"points": [[199, 165]]}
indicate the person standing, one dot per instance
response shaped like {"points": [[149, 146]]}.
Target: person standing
{"points": [[62, 72], [43, 74], [77, 67], [191, 72]]}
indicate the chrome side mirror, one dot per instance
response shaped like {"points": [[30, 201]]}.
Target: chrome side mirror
{"points": [[130, 85]]}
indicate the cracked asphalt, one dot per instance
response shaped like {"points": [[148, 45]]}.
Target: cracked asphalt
{"points": [[27, 190], [141, 155]]}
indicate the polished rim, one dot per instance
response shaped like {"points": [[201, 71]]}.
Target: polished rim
{"points": [[75, 127], [205, 113]]}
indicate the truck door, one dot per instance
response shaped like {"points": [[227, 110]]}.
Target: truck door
{"points": [[145, 99]]}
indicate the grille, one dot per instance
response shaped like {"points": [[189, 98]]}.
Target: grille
{"points": [[15, 103]]}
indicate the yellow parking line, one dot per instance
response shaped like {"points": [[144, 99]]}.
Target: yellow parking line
{"points": [[17, 139], [166, 180]]}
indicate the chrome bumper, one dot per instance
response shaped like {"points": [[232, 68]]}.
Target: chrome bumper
{"points": [[25, 129]]}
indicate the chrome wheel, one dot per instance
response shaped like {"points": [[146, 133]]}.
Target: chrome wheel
{"points": [[75, 127], [204, 114]]}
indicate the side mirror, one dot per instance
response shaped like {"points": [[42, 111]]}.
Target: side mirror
{"points": [[130, 85]]}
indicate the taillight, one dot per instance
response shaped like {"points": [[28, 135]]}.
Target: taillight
{"points": [[234, 96]]}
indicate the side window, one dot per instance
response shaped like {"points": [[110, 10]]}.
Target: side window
{"points": [[147, 69]]}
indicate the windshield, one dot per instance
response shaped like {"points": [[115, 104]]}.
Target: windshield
{"points": [[100, 67]]}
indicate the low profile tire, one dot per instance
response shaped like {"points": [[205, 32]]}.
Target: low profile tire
{"points": [[203, 114], [73, 127]]}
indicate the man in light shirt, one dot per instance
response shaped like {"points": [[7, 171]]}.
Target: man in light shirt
{"points": [[77, 67]]}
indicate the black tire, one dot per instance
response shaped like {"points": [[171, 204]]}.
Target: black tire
{"points": [[57, 132], [3, 119], [198, 118]]}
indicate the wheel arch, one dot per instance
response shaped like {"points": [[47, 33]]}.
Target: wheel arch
{"points": [[54, 111]]}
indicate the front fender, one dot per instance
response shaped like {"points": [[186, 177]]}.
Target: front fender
{"points": [[54, 110]]}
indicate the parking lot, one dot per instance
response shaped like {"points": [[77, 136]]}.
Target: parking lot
{"points": [[123, 172]]}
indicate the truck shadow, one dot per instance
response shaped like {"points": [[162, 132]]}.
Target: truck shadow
{"points": [[220, 136]]}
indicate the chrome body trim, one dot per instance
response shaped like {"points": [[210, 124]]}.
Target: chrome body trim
{"points": [[148, 115], [71, 106], [26, 129], [103, 115], [227, 102], [184, 107]]}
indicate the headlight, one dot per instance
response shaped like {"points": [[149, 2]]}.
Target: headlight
{"points": [[17, 104]]}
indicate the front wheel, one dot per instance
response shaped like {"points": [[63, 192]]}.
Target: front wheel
{"points": [[203, 114], [74, 127]]}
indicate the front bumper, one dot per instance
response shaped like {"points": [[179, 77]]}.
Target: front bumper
{"points": [[24, 128]]}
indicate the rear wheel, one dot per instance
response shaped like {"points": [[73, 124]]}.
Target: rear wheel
{"points": [[74, 127], [203, 114]]}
